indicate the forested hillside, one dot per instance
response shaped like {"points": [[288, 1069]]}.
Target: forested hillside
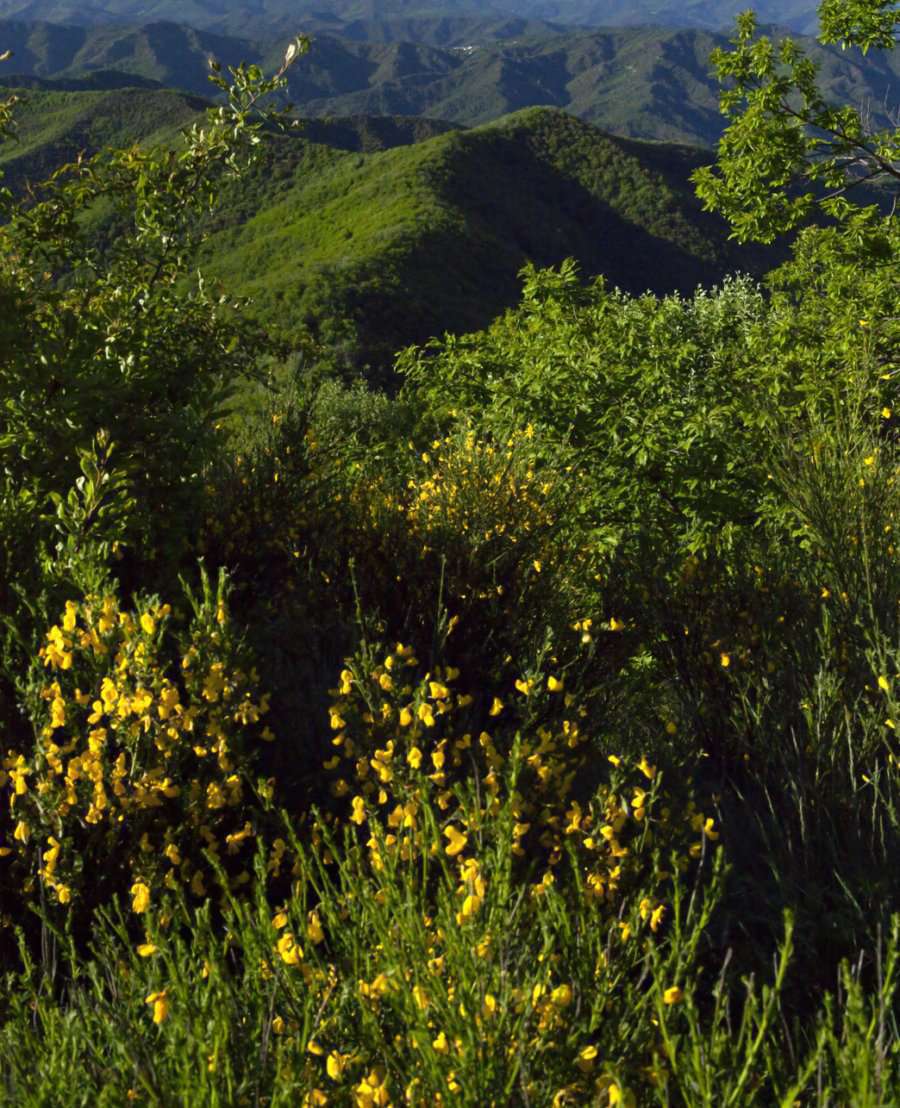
{"points": [[370, 233], [510, 722], [639, 82]]}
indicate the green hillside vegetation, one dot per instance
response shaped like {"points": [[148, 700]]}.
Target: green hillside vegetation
{"points": [[54, 127], [407, 242], [641, 82], [526, 735], [175, 55], [372, 233]]}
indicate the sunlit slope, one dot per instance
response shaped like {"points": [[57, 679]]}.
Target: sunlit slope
{"points": [[54, 126], [408, 242]]}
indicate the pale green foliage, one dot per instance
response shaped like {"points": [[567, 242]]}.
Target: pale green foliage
{"points": [[783, 136], [113, 340]]}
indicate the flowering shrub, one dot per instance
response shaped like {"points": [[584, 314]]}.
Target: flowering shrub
{"points": [[405, 742], [435, 902], [142, 749]]}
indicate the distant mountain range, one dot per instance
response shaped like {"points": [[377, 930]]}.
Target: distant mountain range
{"points": [[373, 20], [640, 82]]}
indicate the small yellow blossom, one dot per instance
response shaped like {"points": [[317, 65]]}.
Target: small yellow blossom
{"points": [[456, 841], [140, 894], [335, 1065], [160, 1003], [586, 1058]]}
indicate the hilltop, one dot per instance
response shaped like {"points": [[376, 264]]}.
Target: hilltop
{"points": [[375, 232], [388, 248]]}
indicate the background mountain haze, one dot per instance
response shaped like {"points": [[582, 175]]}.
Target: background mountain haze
{"points": [[641, 82]]}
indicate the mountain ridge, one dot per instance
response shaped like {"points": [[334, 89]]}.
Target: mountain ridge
{"points": [[641, 82], [282, 16]]}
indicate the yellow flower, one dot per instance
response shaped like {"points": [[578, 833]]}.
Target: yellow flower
{"points": [[70, 616], [440, 1044], [148, 625], [160, 1004], [414, 757], [146, 949], [314, 931], [496, 707], [405, 717], [673, 995], [426, 715], [278, 1025], [725, 660], [524, 685], [562, 996], [646, 769], [554, 684], [335, 1065], [140, 897], [884, 684], [291, 954], [586, 1058], [869, 460], [886, 413], [456, 841], [358, 815], [471, 907], [616, 624]]}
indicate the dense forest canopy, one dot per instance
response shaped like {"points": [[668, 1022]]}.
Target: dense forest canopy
{"points": [[519, 728]]}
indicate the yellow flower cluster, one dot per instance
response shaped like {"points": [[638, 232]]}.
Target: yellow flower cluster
{"points": [[422, 782], [134, 752], [478, 487]]}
